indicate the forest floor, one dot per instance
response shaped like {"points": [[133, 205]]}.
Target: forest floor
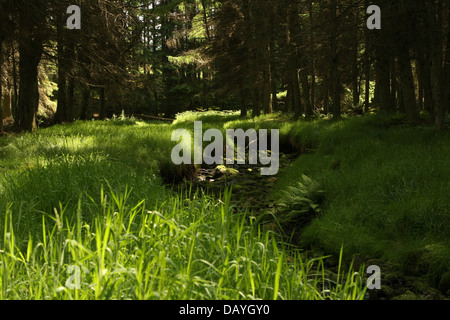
{"points": [[90, 196], [253, 192], [374, 189], [380, 188]]}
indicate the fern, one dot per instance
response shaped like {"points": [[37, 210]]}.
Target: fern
{"points": [[301, 202]]}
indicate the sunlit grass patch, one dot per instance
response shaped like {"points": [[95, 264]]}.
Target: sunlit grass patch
{"points": [[189, 247]]}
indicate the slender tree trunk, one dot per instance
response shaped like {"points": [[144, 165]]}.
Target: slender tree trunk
{"points": [[273, 84], [288, 105], [425, 80], [334, 78], [435, 45], [205, 20], [355, 85], [383, 54], [247, 75], [296, 94], [446, 71], [312, 55], [419, 81], [257, 99], [306, 93], [15, 86], [102, 103], [355, 58], [70, 99], [367, 63], [394, 83], [272, 63], [61, 109], [267, 92], [85, 104], [260, 22], [367, 88], [326, 94], [243, 100], [383, 79], [294, 61], [403, 45], [407, 84]]}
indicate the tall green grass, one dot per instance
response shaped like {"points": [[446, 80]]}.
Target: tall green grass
{"points": [[88, 196], [189, 247]]}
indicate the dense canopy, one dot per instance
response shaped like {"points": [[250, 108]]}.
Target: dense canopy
{"points": [[162, 57]]}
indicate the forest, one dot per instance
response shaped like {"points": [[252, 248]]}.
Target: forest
{"points": [[93, 206]]}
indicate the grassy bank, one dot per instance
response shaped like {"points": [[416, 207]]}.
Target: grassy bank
{"points": [[379, 188], [386, 191]]}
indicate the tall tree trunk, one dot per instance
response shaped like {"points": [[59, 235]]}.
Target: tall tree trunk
{"points": [[434, 10], [256, 90], [383, 54], [85, 115], [102, 103], [394, 83], [446, 71], [296, 94], [28, 90], [15, 99], [367, 63], [247, 74], [326, 94], [273, 84], [205, 20], [418, 79], [30, 51], [425, 79], [294, 59], [334, 73], [61, 109], [306, 93], [312, 55], [243, 100], [266, 91], [403, 45], [383, 78], [272, 62], [355, 59], [70, 99], [407, 84], [260, 22]]}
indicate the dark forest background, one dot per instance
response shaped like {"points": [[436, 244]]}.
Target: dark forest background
{"points": [[159, 58]]}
